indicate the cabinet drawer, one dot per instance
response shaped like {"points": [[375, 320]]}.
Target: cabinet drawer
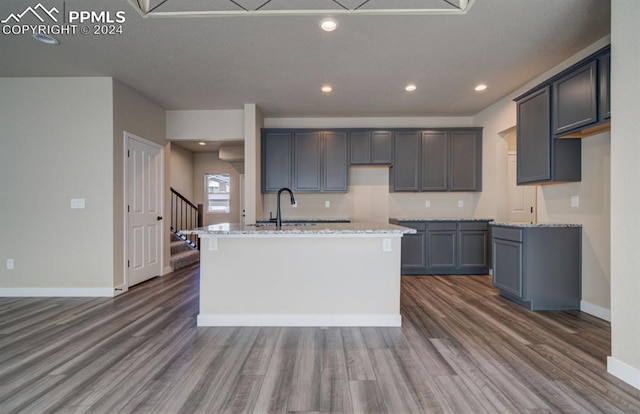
{"points": [[443, 226], [480, 225], [506, 233]]}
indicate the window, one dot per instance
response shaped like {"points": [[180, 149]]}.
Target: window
{"points": [[217, 188]]}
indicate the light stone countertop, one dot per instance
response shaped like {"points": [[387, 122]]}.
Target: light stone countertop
{"points": [[439, 219], [527, 225], [308, 229]]}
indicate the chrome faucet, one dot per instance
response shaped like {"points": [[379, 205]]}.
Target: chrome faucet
{"points": [[278, 213]]}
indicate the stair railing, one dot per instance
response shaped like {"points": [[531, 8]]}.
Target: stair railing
{"points": [[185, 215]]}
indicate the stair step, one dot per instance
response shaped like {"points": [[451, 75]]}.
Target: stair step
{"points": [[184, 258], [179, 246]]}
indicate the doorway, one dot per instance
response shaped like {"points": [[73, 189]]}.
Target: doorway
{"points": [[521, 199], [143, 209]]}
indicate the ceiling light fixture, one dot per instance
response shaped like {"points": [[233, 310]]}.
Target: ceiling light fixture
{"points": [[327, 88], [202, 143], [481, 87], [410, 87], [328, 24], [50, 40]]}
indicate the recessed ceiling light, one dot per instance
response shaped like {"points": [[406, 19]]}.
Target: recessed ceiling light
{"points": [[327, 88], [410, 87], [481, 87], [328, 24], [50, 40], [202, 143]]}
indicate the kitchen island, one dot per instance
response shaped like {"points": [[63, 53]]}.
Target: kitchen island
{"points": [[313, 274]]}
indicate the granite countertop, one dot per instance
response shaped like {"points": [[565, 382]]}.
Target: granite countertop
{"points": [[525, 225], [439, 219], [302, 229], [308, 220]]}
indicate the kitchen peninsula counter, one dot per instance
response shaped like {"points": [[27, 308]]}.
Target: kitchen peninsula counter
{"points": [[320, 274]]}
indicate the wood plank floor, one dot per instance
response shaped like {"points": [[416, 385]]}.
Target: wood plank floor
{"points": [[462, 349]]}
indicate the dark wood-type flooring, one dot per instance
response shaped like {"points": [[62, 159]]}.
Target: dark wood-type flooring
{"points": [[462, 349]]}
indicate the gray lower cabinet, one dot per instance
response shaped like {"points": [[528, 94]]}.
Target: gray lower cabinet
{"points": [[445, 247], [437, 160], [370, 147], [538, 267]]}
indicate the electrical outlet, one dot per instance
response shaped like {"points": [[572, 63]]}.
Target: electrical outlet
{"points": [[575, 201], [77, 203], [10, 264], [427, 203], [294, 205], [460, 203], [386, 245], [327, 204]]}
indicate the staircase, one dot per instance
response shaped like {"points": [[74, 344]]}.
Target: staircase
{"points": [[184, 215], [183, 251]]}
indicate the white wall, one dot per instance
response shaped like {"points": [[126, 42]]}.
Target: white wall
{"points": [[625, 197], [57, 144], [207, 125], [182, 171]]}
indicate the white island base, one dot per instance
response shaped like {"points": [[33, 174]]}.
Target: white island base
{"points": [[284, 279]]}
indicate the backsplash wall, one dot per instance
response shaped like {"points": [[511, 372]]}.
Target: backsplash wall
{"points": [[369, 200]]}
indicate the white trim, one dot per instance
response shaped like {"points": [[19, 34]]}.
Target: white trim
{"points": [[167, 270], [119, 290], [624, 371], [595, 310], [378, 320], [57, 292]]}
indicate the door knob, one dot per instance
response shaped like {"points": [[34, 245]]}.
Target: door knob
{"points": [[159, 218]]}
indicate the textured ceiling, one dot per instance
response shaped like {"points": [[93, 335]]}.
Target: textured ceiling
{"points": [[280, 62]]}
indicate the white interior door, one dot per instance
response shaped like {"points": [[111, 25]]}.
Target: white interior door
{"points": [[144, 210], [522, 199], [242, 207]]}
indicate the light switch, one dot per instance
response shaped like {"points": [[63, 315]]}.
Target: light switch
{"points": [[77, 203], [427, 203], [460, 203], [575, 201], [327, 204]]}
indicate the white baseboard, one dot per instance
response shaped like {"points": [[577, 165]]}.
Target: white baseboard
{"points": [[167, 270], [624, 371], [595, 310], [57, 292], [299, 320]]}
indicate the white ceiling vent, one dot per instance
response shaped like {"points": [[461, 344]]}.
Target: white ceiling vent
{"points": [[204, 8]]}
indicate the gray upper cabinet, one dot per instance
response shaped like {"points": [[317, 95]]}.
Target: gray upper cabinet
{"points": [[307, 171], [437, 160], [371, 147], [276, 161], [405, 173], [604, 71], [435, 165], [575, 99], [305, 161], [541, 157], [334, 162], [465, 161]]}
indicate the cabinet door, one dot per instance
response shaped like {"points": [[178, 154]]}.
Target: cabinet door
{"points": [[307, 147], [413, 253], [360, 146], [507, 266], [381, 147], [435, 161], [465, 170], [406, 162], [276, 161], [473, 249], [604, 73], [575, 99], [442, 246], [534, 138], [335, 163]]}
